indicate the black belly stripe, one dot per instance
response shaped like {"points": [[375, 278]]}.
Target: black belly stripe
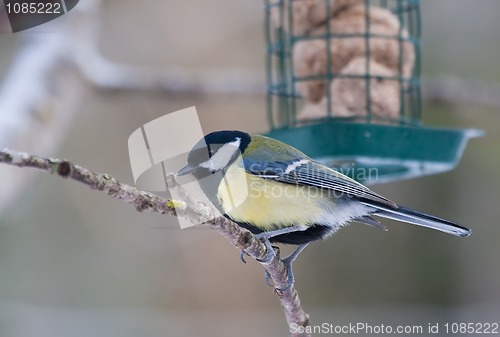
{"points": [[313, 233]]}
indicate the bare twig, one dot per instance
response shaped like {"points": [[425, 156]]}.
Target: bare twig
{"points": [[194, 211]]}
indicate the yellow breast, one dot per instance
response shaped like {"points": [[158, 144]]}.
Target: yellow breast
{"points": [[268, 204]]}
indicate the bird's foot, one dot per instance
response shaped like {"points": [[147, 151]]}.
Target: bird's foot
{"points": [[290, 278], [270, 250], [242, 256], [287, 261]]}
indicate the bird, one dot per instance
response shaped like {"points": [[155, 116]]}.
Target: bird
{"points": [[282, 195]]}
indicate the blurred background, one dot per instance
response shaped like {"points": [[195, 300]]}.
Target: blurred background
{"points": [[73, 262]]}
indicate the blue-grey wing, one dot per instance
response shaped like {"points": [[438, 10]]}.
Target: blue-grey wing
{"points": [[307, 172]]}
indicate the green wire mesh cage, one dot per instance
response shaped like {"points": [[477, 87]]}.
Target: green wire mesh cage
{"points": [[343, 80]]}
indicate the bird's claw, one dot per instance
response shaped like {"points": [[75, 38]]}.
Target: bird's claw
{"points": [[242, 256], [268, 279], [289, 272], [270, 253], [290, 278]]}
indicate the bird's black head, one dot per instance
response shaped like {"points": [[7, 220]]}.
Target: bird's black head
{"points": [[215, 152]]}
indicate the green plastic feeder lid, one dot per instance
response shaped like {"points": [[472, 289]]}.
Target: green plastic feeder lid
{"points": [[377, 153]]}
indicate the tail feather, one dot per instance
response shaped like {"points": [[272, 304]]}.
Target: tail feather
{"points": [[404, 214]]}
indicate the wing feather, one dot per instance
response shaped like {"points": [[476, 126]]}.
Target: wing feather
{"points": [[307, 172]]}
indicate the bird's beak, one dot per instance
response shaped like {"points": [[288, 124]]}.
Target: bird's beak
{"points": [[186, 170]]}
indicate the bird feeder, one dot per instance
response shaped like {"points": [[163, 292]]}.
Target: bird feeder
{"points": [[343, 81]]}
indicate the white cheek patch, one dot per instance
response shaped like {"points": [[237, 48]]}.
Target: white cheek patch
{"points": [[223, 156]]}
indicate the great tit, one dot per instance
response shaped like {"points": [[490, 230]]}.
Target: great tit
{"points": [[283, 196]]}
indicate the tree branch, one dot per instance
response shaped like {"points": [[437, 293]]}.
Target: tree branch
{"points": [[192, 210]]}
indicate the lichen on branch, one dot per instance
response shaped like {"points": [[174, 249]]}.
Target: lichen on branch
{"points": [[192, 210]]}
